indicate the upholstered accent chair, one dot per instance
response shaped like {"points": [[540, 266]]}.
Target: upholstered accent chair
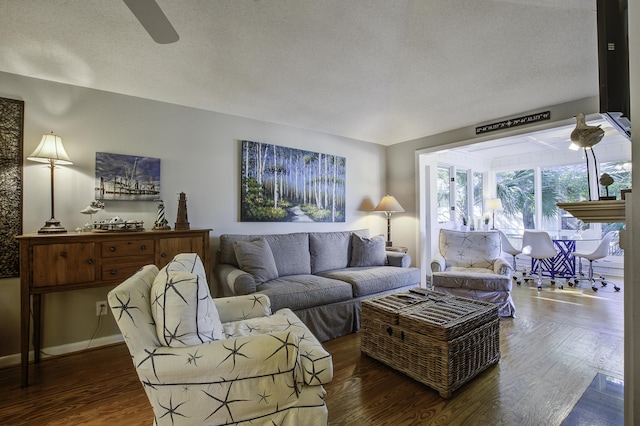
{"points": [[218, 361], [469, 264]]}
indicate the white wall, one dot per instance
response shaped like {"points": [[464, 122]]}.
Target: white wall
{"points": [[200, 155]]}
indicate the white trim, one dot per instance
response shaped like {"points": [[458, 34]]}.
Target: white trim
{"points": [[14, 359]]}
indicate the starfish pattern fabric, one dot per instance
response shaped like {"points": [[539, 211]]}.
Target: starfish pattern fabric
{"points": [[267, 368]]}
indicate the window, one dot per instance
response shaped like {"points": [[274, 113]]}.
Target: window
{"points": [[516, 190], [444, 194]]}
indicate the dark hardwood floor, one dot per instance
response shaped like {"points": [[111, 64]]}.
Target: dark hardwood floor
{"points": [[551, 352]]}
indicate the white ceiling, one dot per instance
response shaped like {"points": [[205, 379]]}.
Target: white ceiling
{"points": [[382, 71]]}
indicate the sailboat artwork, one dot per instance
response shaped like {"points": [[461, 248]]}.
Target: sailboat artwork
{"points": [[127, 177]]}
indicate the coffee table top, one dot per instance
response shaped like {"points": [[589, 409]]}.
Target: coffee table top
{"points": [[438, 315]]}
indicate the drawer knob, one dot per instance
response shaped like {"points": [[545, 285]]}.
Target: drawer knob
{"points": [[63, 254], [89, 261], [163, 255], [143, 247], [112, 249], [113, 271]]}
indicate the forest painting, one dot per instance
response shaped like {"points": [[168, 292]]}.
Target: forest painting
{"points": [[281, 184]]}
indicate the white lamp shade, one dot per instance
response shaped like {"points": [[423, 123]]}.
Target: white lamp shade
{"points": [[388, 204], [50, 148], [494, 204]]}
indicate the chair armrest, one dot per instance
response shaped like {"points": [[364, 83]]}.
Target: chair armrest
{"points": [[502, 266], [234, 281], [402, 260], [438, 263], [227, 360], [236, 308]]}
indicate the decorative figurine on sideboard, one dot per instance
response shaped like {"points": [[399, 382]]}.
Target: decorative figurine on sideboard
{"points": [[182, 222], [91, 209], [162, 223], [606, 180]]}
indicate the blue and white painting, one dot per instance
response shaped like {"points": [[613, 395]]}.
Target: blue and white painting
{"points": [[281, 184], [127, 177]]}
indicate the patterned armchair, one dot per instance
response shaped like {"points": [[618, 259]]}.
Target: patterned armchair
{"points": [[218, 361], [469, 264]]}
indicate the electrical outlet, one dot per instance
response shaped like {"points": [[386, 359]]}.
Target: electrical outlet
{"points": [[101, 308]]}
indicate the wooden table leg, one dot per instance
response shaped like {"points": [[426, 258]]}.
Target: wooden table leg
{"points": [[24, 336], [37, 325]]}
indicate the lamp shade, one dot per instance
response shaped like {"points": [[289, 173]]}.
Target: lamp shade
{"points": [[50, 148], [388, 204], [494, 204]]}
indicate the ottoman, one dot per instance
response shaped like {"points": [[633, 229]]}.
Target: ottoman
{"points": [[439, 340]]}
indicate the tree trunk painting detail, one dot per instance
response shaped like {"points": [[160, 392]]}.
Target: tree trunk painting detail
{"points": [[281, 184]]}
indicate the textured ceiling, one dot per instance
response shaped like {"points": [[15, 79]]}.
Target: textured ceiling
{"points": [[382, 71]]}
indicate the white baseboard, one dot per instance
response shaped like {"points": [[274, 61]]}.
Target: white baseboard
{"points": [[14, 359]]}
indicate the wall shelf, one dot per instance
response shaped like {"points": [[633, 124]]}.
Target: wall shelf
{"points": [[596, 211]]}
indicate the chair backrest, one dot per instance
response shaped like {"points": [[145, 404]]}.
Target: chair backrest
{"points": [[603, 248], [130, 305], [507, 247], [538, 244], [478, 248]]}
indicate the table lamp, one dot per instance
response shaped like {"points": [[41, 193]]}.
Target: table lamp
{"points": [[51, 151], [389, 205], [494, 204]]}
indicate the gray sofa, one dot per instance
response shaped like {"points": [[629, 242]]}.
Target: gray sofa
{"points": [[321, 276]]}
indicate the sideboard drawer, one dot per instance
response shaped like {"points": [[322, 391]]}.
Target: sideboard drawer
{"points": [[119, 248], [120, 270]]}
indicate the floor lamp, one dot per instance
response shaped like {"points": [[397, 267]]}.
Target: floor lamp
{"points": [[51, 151], [389, 205], [494, 204]]}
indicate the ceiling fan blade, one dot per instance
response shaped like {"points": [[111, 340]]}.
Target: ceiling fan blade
{"points": [[153, 20]]}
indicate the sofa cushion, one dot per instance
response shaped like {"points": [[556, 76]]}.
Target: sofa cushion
{"points": [[256, 258], [226, 252], [183, 310], [304, 291], [291, 253], [329, 250], [471, 279], [367, 251], [374, 279]]}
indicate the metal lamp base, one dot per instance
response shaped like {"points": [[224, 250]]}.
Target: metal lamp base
{"points": [[52, 226]]}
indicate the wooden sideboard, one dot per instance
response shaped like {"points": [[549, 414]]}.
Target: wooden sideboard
{"points": [[61, 262]]}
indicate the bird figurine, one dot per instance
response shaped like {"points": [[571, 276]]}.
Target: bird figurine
{"points": [[586, 137], [92, 209]]}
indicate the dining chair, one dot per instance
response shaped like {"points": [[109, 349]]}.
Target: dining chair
{"points": [[508, 248], [601, 251], [538, 245]]}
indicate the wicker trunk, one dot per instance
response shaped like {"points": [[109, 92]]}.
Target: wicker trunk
{"points": [[440, 340]]}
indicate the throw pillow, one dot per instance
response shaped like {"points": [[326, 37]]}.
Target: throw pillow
{"points": [[183, 309], [188, 262], [255, 257], [368, 251]]}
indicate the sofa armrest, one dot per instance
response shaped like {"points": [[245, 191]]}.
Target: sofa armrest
{"points": [[502, 266], [438, 263], [236, 308], [402, 260], [234, 281]]}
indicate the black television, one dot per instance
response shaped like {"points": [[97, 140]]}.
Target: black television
{"points": [[613, 63]]}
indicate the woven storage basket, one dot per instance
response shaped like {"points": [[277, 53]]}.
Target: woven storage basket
{"points": [[444, 356]]}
